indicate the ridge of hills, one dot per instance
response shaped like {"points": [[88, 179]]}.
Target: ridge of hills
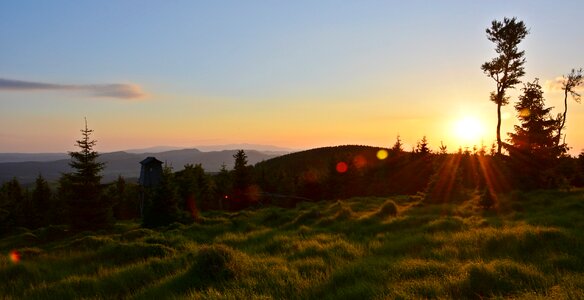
{"points": [[120, 163]]}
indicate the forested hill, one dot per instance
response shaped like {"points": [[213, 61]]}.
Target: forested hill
{"points": [[344, 171], [322, 158], [126, 164]]}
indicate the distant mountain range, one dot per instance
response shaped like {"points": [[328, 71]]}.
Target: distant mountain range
{"points": [[27, 166]]}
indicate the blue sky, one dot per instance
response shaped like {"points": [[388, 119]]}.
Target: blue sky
{"points": [[297, 74]]}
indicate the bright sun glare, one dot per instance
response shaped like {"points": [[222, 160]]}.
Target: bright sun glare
{"points": [[469, 130]]}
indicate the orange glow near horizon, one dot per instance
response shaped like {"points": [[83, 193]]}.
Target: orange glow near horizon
{"points": [[469, 130]]}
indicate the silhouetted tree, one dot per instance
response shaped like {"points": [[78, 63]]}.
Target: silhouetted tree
{"points": [[125, 197], [193, 186], [398, 147], [422, 147], [569, 85], [533, 148], [161, 207], [12, 198], [222, 186], [87, 208], [487, 199], [507, 68], [241, 179], [443, 148], [41, 202]]}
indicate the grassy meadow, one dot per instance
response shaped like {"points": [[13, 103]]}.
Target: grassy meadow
{"points": [[530, 247]]}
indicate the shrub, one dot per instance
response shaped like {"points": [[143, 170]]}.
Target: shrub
{"points": [[487, 200], [218, 262], [389, 208]]}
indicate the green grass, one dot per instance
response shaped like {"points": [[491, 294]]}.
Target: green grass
{"points": [[530, 246]]}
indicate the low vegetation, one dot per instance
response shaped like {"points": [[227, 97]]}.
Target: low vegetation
{"points": [[527, 246]]}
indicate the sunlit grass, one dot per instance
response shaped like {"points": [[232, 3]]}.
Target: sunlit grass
{"points": [[529, 247]]}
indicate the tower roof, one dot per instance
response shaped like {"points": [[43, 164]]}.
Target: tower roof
{"points": [[149, 160]]}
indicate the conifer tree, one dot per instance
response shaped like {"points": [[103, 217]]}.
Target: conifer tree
{"points": [[12, 200], [87, 208], [398, 147], [41, 197], [162, 206], [533, 146], [422, 146], [241, 178]]}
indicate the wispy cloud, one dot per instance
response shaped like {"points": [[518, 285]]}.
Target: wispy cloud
{"points": [[117, 90], [557, 84]]}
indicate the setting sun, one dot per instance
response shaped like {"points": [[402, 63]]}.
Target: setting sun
{"points": [[469, 130]]}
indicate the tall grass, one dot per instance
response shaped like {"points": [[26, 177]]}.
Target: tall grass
{"points": [[529, 247]]}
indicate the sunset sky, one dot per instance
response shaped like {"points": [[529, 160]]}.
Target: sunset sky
{"points": [[295, 74]]}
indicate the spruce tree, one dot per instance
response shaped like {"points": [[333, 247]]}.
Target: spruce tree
{"points": [[241, 179], [533, 149], [161, 207], [87, 208], [41, 197]]}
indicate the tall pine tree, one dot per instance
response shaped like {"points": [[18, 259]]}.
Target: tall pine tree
{"points": [[87, 208], [533, 149]]}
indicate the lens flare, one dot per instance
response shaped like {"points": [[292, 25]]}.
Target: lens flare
{"points": [[382, 154], [342, 167], [14, 256], [359, 161]]}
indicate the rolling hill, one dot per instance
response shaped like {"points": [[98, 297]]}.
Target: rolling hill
{"points": [[122, 163]]}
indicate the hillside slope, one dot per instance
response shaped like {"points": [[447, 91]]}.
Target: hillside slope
{"points": [[530, 247]]}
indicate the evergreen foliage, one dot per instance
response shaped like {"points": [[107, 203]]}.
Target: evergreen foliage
{"points": [[487, 199], [161, 207], [533, 149], [241, 180], [41, 201], [422, 147], [398, 146], [87, 208], [12, 198]]}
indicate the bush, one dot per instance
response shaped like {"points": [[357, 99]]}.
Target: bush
{"points": [[389, 208], [218, 263], [487, 200]]}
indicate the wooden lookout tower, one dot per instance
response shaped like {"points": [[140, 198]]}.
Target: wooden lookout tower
{"points": [[151, 172], [150, 176]]}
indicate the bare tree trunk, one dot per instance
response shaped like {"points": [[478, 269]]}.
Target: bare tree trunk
{"points": [[564, 118], [499, 143]]}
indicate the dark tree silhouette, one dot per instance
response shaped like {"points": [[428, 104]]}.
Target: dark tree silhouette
{"points": [[193, 187], [41, 197], [422, 146], [533, 148], [241, 179], [12, 198], [222, 186], [161, 207], [87, 208], [443, 148], [398, 147], [569, 85], [507, 68]]}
